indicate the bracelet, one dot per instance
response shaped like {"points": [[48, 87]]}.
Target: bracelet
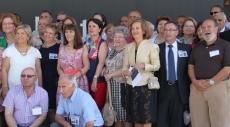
{"points": [[95, 76]]}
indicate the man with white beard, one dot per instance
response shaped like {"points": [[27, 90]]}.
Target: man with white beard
{"points": [[209, 69]]}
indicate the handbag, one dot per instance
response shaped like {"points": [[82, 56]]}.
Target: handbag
{"points": [[153, 83], [108, 113]]}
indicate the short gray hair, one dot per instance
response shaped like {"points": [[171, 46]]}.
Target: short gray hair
{"points": [[28, 31], [122, 29], [71, 79], [151, 25]]}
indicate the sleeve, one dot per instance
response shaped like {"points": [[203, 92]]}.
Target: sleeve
{"points": [[60, 108], [191, 60], [44, 102], [88, 111], [37, 53], [154, 59], [7, 52], [226, 61], [126, 59], [9, 100]]}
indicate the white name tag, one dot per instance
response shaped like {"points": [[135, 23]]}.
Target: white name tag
{"points": [[37, 111], [214, 53], [52, 56], [182, 53], [75, 120]]}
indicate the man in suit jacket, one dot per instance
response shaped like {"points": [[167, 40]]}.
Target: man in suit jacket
{"points": [[221, 20], [225, 35], [173, 94]]}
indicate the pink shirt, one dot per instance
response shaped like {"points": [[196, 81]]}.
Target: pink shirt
{"points": [[130, 39], [17, 99]]}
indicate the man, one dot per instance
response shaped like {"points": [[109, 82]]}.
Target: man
{"points": [[180, 19], [221, 20], [124, 21], [60, 17], [225, 35], [173, 95], [133, 15], [26, 105], [209, 67], [39, 39], [44, 15], [79, 106], [217, 9]]}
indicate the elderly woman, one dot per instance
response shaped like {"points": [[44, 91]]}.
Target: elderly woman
{"points": [[19, 57], [109, 33], [188, 31], [114, 64], [141, 56]]}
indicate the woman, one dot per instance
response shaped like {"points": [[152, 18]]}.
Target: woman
{"points": [[188, 31], [161, 20], [73, 56], [114, 76], [8, 23], [98, 50], [199, 36], [69, 20], [109, 33], [18, 57], [49, 51], [143, 56]]}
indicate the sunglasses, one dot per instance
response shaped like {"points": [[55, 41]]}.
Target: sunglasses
{"points": [[211, 13], [27, 76], [59, 20]]}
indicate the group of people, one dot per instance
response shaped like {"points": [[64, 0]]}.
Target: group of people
{"points": [[55, 77]]}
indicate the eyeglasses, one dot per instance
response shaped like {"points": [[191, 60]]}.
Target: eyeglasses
{"points": [[27, 76], [9, 24], [169, 30], [49, 33], [59, 20], [189, 26], [211, 13]]}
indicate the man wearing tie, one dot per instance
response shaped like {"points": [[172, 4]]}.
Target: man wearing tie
{"points": [[173, 95]]}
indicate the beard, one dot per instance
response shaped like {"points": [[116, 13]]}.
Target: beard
{"points": [[210, 38]]}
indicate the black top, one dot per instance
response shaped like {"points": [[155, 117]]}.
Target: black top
{"points": [[49, 66]]}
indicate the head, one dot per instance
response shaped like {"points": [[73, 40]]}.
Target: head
{"points": [[133, 15], [161, 20], [51, 32], [109, 30], [220, 19], [28, 77], [94, 27], [209, 30], [120, 36], [8, 23], [46, 15], [216, 9], [18, 17], [102, 18], [41, 25], [24, 34], [140, 29], [152, 28], [188, 26], [67, 85], [180, 19], [72, 35], [124, 20], [171, 31], [59, 18], [69, 20], [199, 36]]}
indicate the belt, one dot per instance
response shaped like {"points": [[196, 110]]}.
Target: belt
{"points": [[170, 83]]}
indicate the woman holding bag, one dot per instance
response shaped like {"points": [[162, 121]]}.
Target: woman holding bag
{"points": [[144, 57]]}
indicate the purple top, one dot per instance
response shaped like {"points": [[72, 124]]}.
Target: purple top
{"points": [[17, 99]]}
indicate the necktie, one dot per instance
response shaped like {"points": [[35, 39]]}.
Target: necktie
{"points": [[171, 65]]}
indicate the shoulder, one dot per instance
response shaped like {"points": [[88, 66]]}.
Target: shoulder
{"points": [[41, 91], [83, 96], [14, 90]]}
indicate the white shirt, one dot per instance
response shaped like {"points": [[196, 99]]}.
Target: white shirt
{"points": [[222, 30], [228, 24], [175, 52]]}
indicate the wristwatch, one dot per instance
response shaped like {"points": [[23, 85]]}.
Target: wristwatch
{"points": [[211, 82]]}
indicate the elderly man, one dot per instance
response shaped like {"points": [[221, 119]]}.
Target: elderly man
{"points": [[133, 15], [124, 21], [221, 20], [26, 105], [209, 69], [79, 107], [217, 9], [180, 19]]}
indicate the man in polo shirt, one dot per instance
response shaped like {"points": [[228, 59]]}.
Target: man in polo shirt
{"points": [[209, 68], [26, 105], [79, 107]]}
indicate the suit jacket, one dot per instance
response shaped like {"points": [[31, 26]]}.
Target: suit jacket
{"points": [[182, 74], [225, 35], [147, 53], [226, 29]]}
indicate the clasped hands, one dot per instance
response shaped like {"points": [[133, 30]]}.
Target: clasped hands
{"points": [[202, 85]]}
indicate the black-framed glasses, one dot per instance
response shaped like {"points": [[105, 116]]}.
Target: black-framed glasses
{"points": [[59, 20], [215, 12], [27, 76]]}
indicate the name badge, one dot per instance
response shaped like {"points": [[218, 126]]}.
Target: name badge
{"points": [[52, 56], [37, 111], [214, 53], [182, 53], [75, 120]]}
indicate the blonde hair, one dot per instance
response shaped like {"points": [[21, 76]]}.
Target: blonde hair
{"points": [[27, 30]]}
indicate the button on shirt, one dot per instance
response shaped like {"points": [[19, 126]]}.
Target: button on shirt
{"points": [[175, 52], [17, 99], [80, 105]]}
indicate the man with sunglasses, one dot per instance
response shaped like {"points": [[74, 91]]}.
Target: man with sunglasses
{"points": [[60, 17], [217, 9], [26, 104]]}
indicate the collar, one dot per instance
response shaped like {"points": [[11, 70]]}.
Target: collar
{"points": [[35, 87], [74, 94], [217, 42], [174, 44], [222, 30]]}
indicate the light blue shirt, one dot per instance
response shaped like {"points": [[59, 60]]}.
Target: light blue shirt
{"points": [[81, 105]]}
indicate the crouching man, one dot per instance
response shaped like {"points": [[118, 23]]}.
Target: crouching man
{"points": [[78, 106]]}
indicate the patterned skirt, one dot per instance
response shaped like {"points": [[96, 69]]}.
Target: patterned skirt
{"points": [[141, 104], [117, 99]]}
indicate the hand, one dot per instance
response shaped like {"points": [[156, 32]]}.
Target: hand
{"points": [[94, 85], [206, 84], [127, 73], [139, 66], [103, 72], [199, 86], [107, 77]]}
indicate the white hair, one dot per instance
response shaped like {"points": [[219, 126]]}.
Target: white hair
{"points": [[151, 25], [71, 79]]}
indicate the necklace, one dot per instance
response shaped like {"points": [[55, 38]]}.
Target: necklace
{"points": [[22, 53]]}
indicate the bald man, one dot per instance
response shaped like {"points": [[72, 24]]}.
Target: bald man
{"points": [[26, 105], [221, 20]]}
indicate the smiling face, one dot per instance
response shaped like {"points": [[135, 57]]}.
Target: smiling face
{"points": [[22, 36], [136, 31], [170, 32], [209, 30], [60, 19], [189, 28], [109, 33], [8, 25], [49, 35], [70, 34], [220, 19], [160, 26], [119, 40], [93, 29], [199, 33], [41, 25]]}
